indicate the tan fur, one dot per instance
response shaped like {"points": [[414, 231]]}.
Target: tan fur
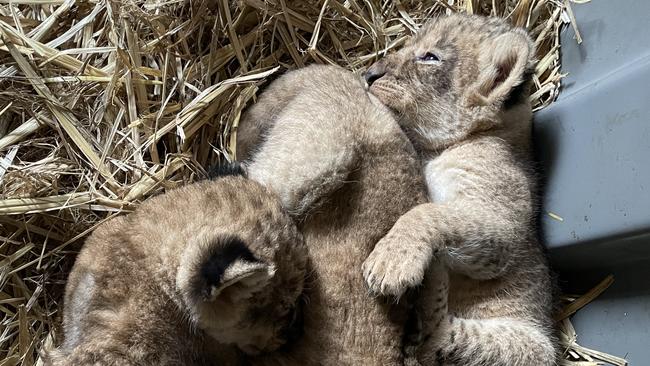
{"points": [[342, 166], [486, 298], [138, 293]]}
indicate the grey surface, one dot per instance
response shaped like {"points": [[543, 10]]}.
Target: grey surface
{"points": [[594, 147], [615, 34], [618, 322], [594, 142]]}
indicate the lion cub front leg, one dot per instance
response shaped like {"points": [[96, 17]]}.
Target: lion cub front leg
{"points": [[400, 259], [464, 241], [305, 167]]}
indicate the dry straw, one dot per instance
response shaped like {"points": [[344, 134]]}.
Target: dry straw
{"points": [[106, 102]]}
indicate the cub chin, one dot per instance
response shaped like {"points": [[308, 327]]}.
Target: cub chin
{"points": [[460, 89], [191, 277]]}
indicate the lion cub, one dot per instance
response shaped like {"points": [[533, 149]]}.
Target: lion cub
{"points": [[340, 163], [190, 272], [460, 89]]}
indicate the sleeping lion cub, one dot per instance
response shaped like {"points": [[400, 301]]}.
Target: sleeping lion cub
{"points": [[341, 165], [460, 91], [189, 273]]}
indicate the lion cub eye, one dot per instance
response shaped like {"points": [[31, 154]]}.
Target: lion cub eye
{"points": [[427, 58]]}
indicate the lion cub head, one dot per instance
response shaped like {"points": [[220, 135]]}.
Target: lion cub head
{"points": [[211, 264], [457, 76]]}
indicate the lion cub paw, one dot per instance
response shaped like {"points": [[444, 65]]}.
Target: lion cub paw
{"points": [[395, 266]]}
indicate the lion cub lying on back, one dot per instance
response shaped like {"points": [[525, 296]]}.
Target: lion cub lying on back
{"points": [[340, 163], [460, 89], [190, 271]]}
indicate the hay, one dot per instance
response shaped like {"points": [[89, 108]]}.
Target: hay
{"points": [[573, 353], [104, 103]]}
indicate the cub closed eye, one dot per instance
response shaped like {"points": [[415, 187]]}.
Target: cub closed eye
{"points": [[428, 58]]}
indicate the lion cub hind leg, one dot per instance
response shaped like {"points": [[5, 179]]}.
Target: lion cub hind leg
{"points": [[449, 340], [479, 342]]}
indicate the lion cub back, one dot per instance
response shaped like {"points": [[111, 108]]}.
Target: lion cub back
{"points": [[184, 279], [339, 163]]}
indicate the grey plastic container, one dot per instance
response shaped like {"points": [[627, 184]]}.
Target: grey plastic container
{"points": [[594, 148]]}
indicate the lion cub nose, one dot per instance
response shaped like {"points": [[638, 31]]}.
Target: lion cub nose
{"points": [[375, 72]]}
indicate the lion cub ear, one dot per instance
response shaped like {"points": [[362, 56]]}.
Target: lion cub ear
{"points": [[504, 65], [247, 277], [223, 269]]}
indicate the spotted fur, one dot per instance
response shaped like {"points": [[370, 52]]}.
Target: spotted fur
{"points": [[486, 293], [345, 170], [192, 277]]}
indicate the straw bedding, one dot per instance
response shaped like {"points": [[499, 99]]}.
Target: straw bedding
{"points": [[106, 102]]}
